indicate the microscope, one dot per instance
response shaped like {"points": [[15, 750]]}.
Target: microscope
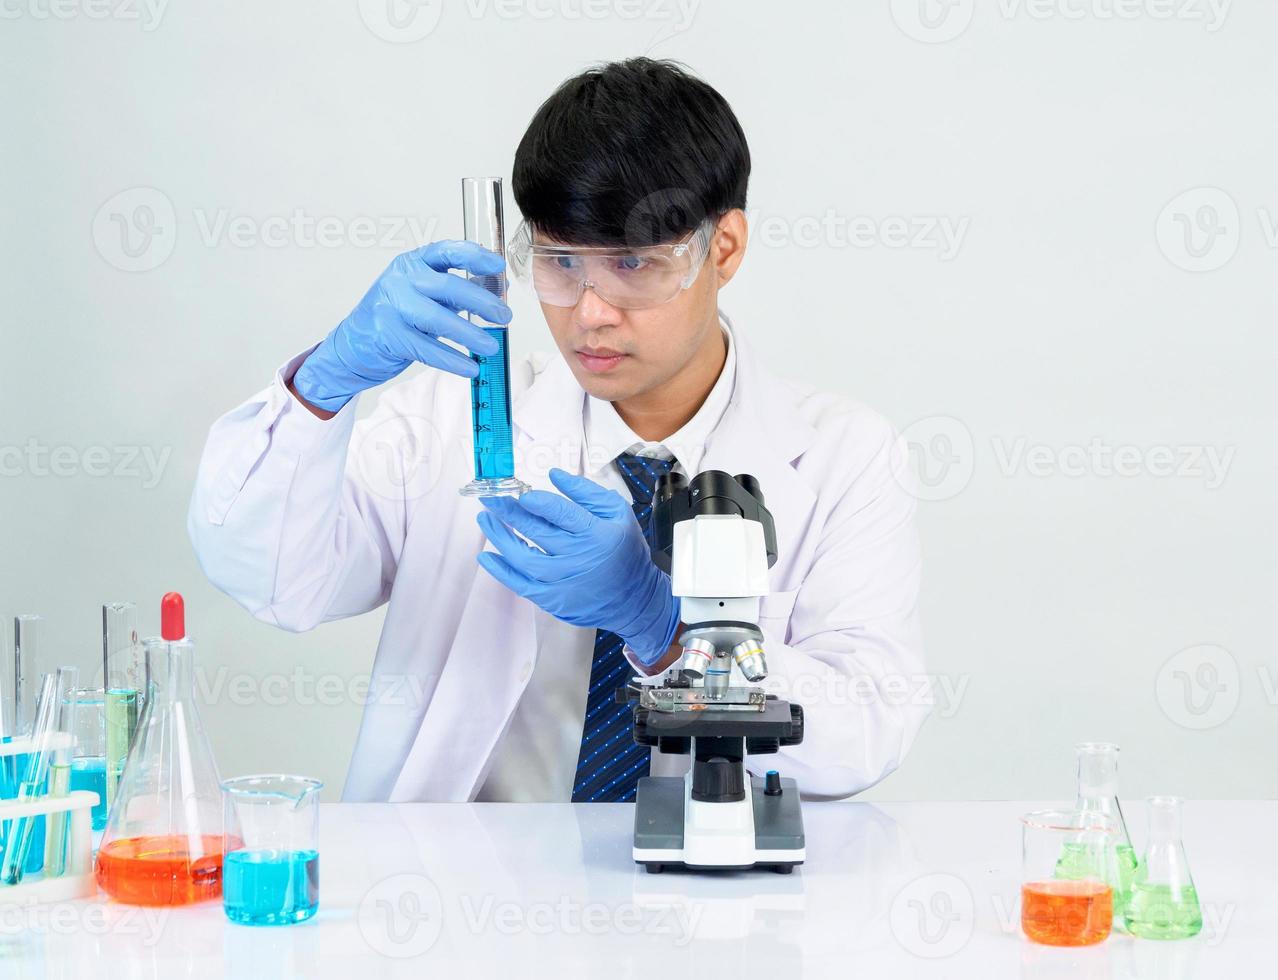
{"points": [[717, 541]]}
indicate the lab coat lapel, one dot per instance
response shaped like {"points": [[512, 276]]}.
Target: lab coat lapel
{"points": [[762, 433], [548, 425]]}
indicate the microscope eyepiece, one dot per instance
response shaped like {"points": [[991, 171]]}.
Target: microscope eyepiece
{"points": [[750, 485]]}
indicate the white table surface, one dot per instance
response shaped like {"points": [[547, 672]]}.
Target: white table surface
{"points": [[484, 890]]}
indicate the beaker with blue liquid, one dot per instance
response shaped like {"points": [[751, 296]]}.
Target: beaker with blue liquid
{"points": [[270, 869], [89, 756]]}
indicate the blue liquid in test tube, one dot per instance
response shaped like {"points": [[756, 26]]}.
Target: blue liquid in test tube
{"points": [[490, 389]]}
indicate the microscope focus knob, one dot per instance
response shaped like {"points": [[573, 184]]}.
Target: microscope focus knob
{"points": [[718, 780], [796, 726], [640, 730]]}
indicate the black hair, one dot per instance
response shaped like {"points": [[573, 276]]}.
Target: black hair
{"points": [[630, 153]]}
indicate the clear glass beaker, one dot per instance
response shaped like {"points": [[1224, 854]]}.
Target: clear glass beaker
{"points": [[88, 759], [1074, 911], [1164, 903], [163, 842], [271, 873]]}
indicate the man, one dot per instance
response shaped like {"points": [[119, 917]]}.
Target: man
{"points": [[495, 670]]}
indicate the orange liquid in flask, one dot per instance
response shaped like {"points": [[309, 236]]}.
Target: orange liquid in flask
{"points": [[162, 870], [1067, 913]]}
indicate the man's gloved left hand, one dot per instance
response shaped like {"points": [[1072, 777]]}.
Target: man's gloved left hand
{"points": [[594, 568]]}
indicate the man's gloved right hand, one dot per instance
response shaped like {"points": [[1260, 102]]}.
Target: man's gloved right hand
{"points": [[401, 319]]}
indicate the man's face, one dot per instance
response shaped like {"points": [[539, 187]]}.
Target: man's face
{"points": [[617, 354]]}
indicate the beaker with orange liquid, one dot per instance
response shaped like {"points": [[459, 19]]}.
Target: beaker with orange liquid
{"points": [[1074, 911], [165, 836]]}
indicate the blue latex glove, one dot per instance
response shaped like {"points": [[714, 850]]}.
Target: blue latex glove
{"points": [[594, 568], [412, 304]]}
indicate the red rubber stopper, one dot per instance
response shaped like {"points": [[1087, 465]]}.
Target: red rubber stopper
{"points": [[172, 616]]}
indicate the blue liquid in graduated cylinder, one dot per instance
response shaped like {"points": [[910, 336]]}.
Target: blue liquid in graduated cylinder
{"points": [[90, 773], [270, 888], [490, 412]]}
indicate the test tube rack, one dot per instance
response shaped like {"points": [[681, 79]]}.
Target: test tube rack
{"points": [[77, 881]]}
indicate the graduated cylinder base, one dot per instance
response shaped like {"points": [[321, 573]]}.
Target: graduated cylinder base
{"points": [[505, 487]]}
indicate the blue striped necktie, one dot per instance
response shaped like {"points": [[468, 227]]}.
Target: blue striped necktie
{"points": [[609, 764]]}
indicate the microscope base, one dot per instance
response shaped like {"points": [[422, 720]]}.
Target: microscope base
{"points": [[761, 831]]}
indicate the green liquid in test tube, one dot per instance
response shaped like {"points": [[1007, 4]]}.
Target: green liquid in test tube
{"points": [[490, 414], [124, 680]]}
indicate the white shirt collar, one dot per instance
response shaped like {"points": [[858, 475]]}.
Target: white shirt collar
{"points": [[607, 436]]}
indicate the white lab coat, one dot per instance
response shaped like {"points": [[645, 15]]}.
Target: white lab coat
{"points": [[302, 521]]}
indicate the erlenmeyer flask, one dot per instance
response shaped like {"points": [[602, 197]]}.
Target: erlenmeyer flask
{"points": [[1163, 902], [163, 842], [1098, 794]]}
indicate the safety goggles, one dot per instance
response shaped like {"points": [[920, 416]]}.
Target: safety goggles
{"points": [[627, 278]]}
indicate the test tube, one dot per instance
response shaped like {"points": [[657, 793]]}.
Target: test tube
{"points": [[55, 840], [124, 680], [53, 689], [26, 633], [483, 223], [8, 763]]}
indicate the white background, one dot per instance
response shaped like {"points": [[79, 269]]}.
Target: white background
{"points": [[1108, 166]]}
